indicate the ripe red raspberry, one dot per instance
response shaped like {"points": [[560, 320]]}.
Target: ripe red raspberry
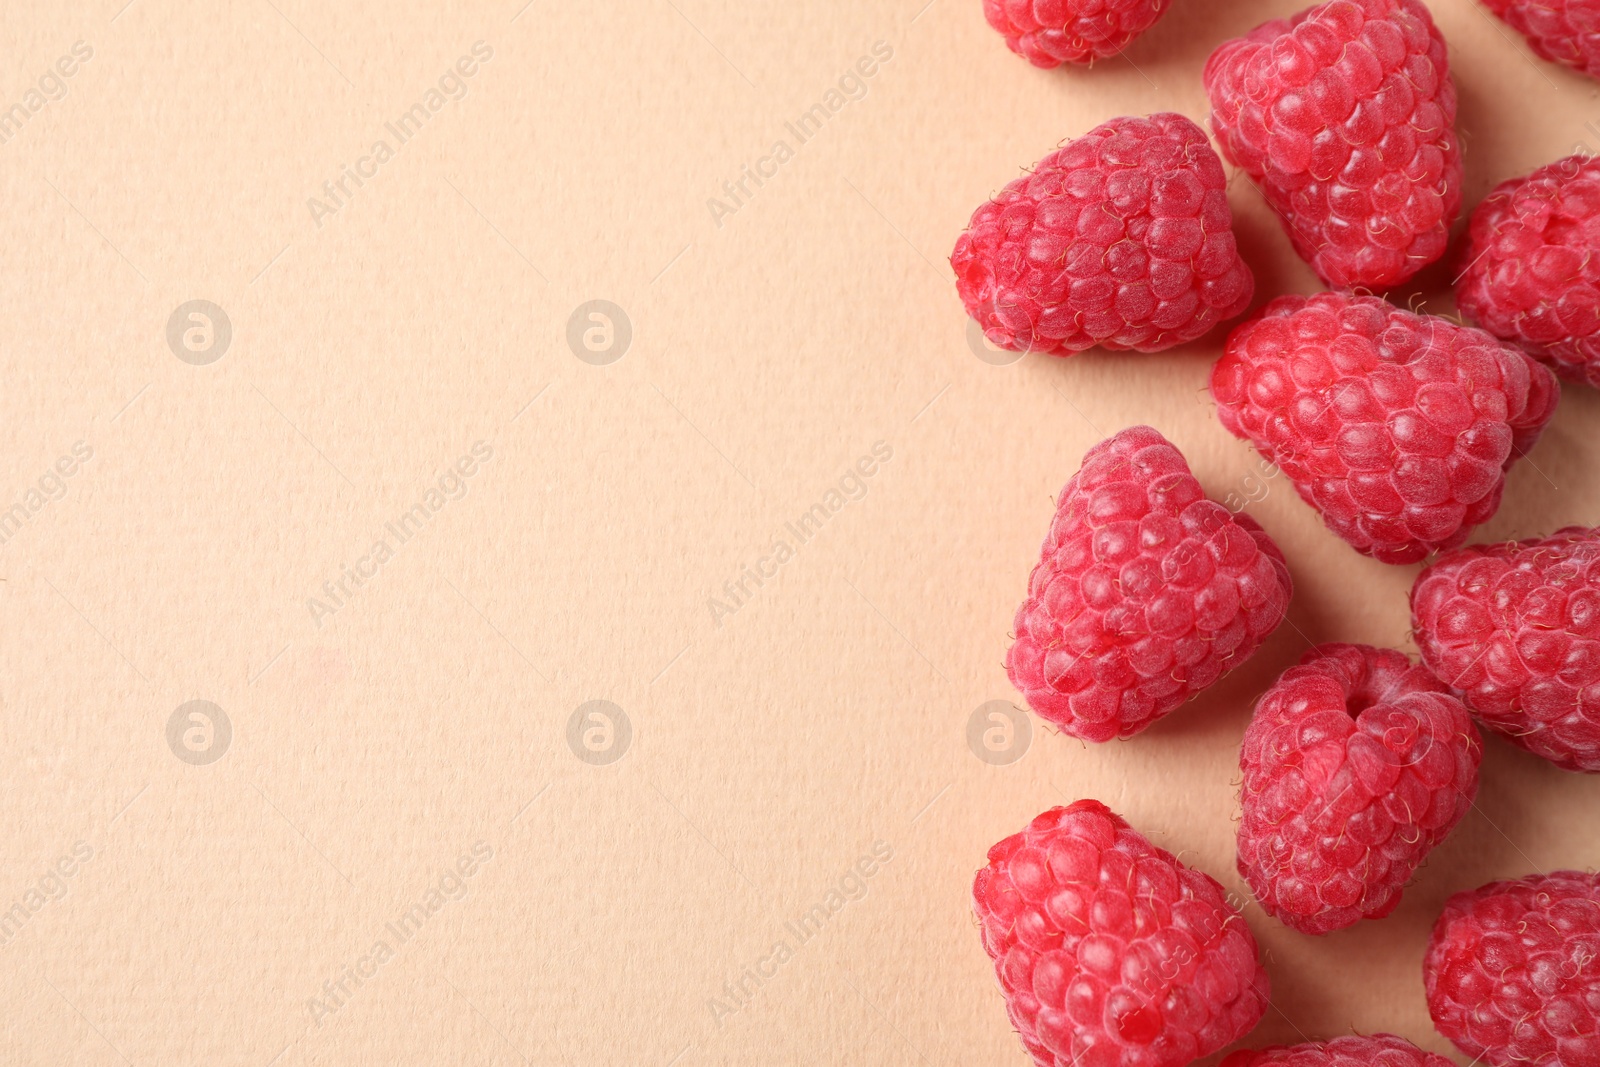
{"points": [[1513, 971], [1145, 593], [1110, 952], [1397, 427], [1562, 31], [1515, 627], [1123, 239], [1352, 1050], [1532, 271], [1049, 33], [1356, 764], [1345, 117]]}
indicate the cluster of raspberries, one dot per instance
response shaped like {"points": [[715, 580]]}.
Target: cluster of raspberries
{"points": [[1399, 428]]}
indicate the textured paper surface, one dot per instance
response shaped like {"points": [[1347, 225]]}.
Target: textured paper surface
{"points": [[401, 764]]}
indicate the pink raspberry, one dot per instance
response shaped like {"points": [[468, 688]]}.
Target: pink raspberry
{"points": [[1145, 593], [1513, 971], [1562, 31], [1515, 627], [1356, 764], [1049, 33], [1110, 952], [1345, 117], [1352, 1050], [1532, 265], [1122, 239], [1398, 428]]}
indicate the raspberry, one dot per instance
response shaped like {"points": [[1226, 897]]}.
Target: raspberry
{"points": [[1145, 592], [1123, 238], [1515, 627], [1356, 764], [1345, 117], [1532, 271], [1562, 31], [1513, 971], [1110, 952], [1352, 1050], [1049, 33], [1398, 428]]}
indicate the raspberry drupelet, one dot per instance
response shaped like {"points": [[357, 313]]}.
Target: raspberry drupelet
{"points": [[1356, 764], [1123, 238], [1110, 952], [1398, 428], [1562, 31], [1351, 1050], [1515, 628], [1512, 971], [1345, 117], [1531, 265], [1049, 33], [1145, 593]]}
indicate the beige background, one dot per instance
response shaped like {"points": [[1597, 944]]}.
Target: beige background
{"points": [[770, 747]]}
